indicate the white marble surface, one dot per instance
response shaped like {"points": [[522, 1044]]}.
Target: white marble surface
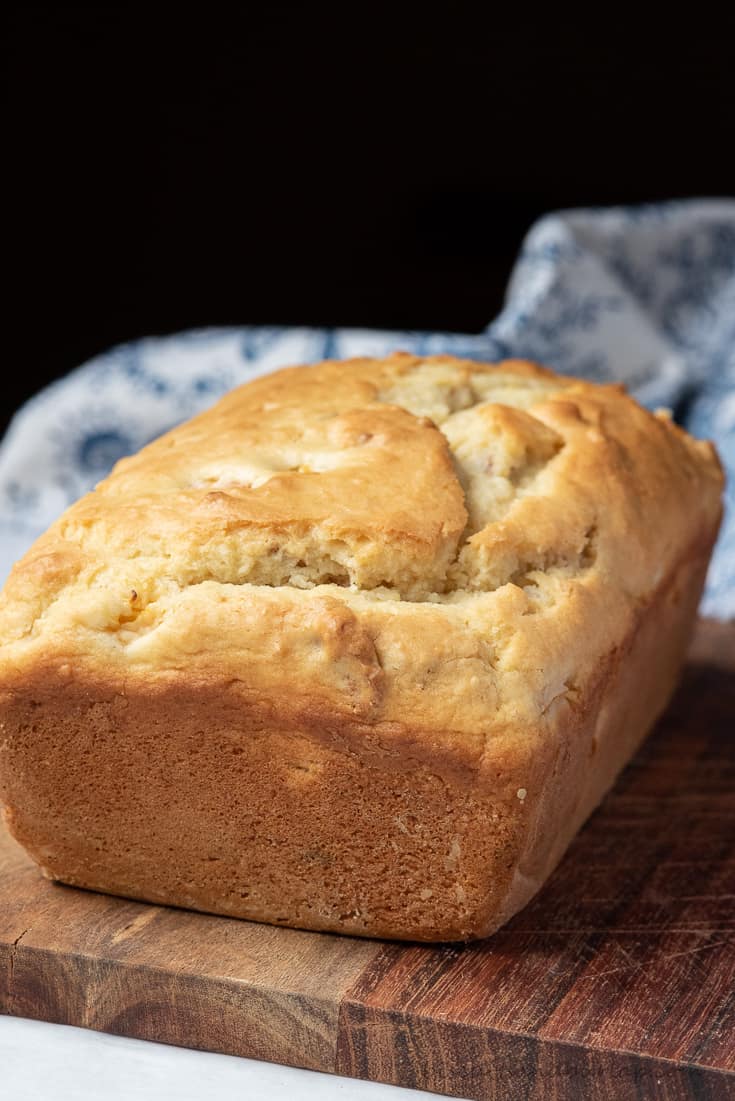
{"points": [[43, 1062]]}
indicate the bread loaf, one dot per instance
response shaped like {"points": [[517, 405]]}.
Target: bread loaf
{"points": [[359, 649]]}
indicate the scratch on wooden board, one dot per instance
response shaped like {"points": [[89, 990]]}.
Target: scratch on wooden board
{"points": [[704, 898], [632, 965], [135, 925], [11, 972]]}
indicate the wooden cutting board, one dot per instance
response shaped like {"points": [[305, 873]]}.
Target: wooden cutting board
{"points": [[617, 982]]}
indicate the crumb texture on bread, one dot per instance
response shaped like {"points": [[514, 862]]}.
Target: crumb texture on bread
{"points": [[420, 563]]}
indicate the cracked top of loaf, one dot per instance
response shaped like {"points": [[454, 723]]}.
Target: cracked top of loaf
{"points": [[421, 541]]}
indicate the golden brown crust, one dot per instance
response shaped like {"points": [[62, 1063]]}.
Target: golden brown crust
{"points": [[418, 576]]}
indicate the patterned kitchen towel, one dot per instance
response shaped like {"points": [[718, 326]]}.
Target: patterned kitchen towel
{"points": [[641, 294]]}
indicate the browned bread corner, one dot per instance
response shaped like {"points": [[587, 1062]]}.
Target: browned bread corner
{"points": [[358, 649]]}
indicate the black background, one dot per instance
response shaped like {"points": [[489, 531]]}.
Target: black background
{"points": [[281, 163]]}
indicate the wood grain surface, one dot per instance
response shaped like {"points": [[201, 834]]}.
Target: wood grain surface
{"points": [[616, 982]]}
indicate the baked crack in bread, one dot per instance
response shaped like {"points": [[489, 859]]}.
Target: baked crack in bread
{"points": [[359, 649]]}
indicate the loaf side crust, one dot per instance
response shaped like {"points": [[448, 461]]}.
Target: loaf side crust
{"points": [[196, 798]]}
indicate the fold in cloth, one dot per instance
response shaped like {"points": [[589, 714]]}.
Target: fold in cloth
{"points": [[643, 295]]}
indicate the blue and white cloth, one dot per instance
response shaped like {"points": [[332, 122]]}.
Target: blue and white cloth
{"points": [[640, 294]]}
